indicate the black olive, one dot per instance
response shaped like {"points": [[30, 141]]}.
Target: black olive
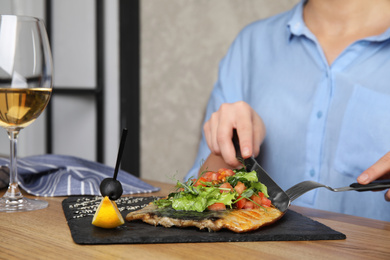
{"points": [[111, 188]]}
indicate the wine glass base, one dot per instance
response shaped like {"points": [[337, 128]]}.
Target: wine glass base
{"points": [[21, 204]]}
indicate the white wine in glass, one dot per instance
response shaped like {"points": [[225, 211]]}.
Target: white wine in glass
{"points": [[25, 90]]}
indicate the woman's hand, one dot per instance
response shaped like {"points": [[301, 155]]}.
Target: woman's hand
{"points": [[379, 170], [219, 131]]}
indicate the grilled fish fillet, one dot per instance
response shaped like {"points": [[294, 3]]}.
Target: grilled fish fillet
{"points": [[237, 220]]}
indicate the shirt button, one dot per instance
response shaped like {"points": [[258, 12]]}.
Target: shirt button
{"points": [[319, 114], [312, 172]]}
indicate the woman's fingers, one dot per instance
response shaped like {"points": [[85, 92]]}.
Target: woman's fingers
{"points": [[379, 170], [219, 131]]}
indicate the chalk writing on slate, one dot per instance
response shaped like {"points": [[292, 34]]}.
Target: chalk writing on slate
{"points": [[87, 206]]}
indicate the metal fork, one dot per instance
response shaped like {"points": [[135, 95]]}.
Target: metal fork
{"points": [[301, 188]]}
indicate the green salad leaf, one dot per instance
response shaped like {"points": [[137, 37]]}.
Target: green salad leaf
{"points": [[191, 198], [206, 196]]}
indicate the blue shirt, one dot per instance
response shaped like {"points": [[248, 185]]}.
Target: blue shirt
{"points": [[324, 123]]}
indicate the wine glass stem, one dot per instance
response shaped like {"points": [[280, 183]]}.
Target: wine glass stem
{"points": [[13, 191]]}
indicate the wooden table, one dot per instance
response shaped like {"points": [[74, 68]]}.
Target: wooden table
{"points": [[44, 234]]}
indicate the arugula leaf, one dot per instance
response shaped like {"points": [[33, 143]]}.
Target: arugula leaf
{"points": [[250, 176], [247, 193], [187, 186], [244, 177], [260, 187]]}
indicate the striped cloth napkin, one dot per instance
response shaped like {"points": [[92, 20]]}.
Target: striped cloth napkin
{"points": [[59, 175]]}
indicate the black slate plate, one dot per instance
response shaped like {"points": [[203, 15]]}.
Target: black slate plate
{"points": [[79, 213]]}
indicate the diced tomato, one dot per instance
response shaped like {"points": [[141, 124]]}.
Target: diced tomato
{"points": [[261, 200], [226, 185], [210, 176], [265, 202], [199, 182], [249, 205], [217, 206], [207, 175], [258, 200], [221, 170], [241, 203], [225, 173], [240, 187], [214, 176]]}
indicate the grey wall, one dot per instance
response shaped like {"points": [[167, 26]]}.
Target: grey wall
{"points": [[182, 44]]}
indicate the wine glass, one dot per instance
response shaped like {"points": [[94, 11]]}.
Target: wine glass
{"points": [[25, 90]]}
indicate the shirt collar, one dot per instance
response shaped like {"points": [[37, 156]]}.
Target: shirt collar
{"points": [[297, 27], [379, 38]]}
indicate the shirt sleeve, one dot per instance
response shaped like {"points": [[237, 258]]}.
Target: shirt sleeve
{"points": [[228, 89]]}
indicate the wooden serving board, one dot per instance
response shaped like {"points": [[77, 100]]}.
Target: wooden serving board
{"points": [[79, 213]]}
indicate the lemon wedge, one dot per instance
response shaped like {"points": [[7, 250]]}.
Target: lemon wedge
{"points": [[107, 215]]}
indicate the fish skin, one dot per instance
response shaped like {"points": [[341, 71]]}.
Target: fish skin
{"points": [[236, 220]]}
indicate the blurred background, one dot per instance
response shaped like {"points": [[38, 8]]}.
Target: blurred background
{"points": [[145, 65]]}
